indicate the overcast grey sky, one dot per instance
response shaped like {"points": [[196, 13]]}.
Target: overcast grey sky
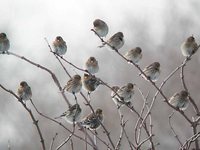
{"points": [[158, 27]]}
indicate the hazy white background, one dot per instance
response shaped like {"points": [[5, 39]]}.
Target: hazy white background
{"points": [[158, 27]]}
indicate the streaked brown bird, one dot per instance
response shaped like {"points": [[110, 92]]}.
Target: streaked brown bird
{"points": [[72, 115], [4, 43], [100, 27], [123, 95], [134, 55], [24, 91], [116, 41], [92, 121], [189, 47], [180, 100], [74, 85], [59, 46], [90, 82], [91, 65], [152, 71]]}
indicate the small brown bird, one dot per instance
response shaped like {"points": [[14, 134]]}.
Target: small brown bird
{"points": [[90, 82], [100, 27], [124, 94], [180, 100], [59, 46], [92, 121], [74, 85], [24, 91], [72, 115], [134, 55], [4, 43], [189, 47], [92, 65], [116, 41], [152, 71]]}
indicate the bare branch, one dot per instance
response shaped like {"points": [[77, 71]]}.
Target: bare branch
{"points": [[52, 142]]}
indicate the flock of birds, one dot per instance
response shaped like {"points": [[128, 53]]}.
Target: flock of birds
{"points": [[120, 95]]}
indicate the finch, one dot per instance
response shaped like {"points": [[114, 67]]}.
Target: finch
{"points": [[100, 27], [4, 43], [59, 46], [24, 91]]}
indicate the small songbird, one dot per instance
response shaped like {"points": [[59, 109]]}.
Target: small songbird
{"points": [[134, 55], [90, 82], [59, 46], [24, 91], [180, 100], [72, 115], [92, 121], [74, 85], [4, 43], [152, 71], [122, 95], [116, 41], [100, 27], [189, 47], [92, 65]]}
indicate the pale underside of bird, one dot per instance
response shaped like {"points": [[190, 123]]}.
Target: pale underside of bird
{"points": [[100, 27]]}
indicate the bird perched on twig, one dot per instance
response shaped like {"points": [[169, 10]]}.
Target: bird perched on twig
{"points": [[72, 115], [59, 46], [152, 71], [115, 42], [4, 43], [24, 91], [180, 100], [134, 55], [100, 27], [122, 95], [91, 65], [74, 85], [189, 47], [90, 82], [93, 120]]}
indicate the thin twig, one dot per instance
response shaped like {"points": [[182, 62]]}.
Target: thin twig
{"points": [[67, 139], [173, 131], [52, 142]]}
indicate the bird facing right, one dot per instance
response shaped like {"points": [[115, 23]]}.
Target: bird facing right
{"points": [[92, 121], [24, 91], [122, 95], [72, 115], [115, 42], [134, 55], [180, 100], [4, 43], [59, 46], [152, 71], [100, 27], [189, 47]]}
